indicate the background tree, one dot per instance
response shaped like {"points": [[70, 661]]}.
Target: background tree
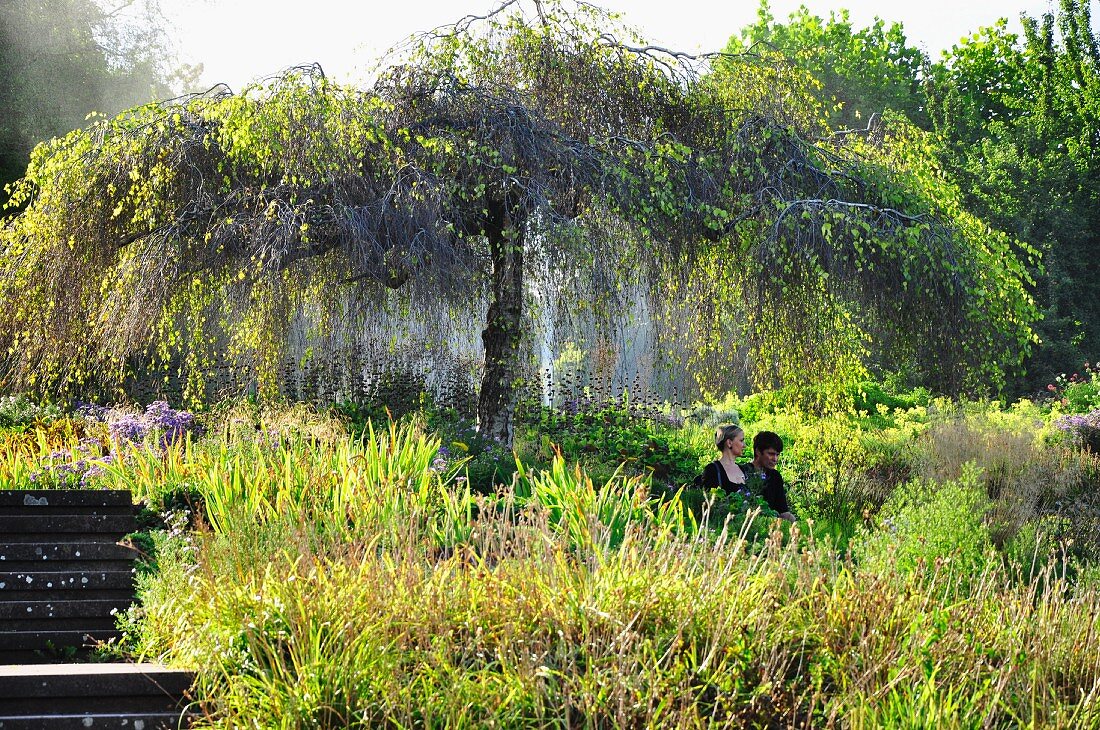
{"points": [[1019, 118], [495, 142], [1015, 122], [859, 71], [63, 59]]}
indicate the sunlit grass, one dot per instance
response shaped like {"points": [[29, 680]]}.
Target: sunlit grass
{"points": [[332, 581], [526, 626]]}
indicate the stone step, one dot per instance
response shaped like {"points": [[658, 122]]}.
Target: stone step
{"points": [[74, 511], [81, 623], [124, 721], [67, 594], [68, 566], [53, 498], [29, 580], [26, 610], [73, 538], [52, 552], [65, 556], [71, 705], [68, 680], [52, 641], [51, 586], [90, 527], [54, 694]]}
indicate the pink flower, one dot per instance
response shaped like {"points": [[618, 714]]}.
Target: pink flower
{"points": [[1051, 387]]}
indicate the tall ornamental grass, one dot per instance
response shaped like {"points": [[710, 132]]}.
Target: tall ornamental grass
{"points": [[324, 580], [564, 604], [525, 626]]}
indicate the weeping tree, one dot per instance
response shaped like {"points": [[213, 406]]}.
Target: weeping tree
{"points": [[195, 229]]}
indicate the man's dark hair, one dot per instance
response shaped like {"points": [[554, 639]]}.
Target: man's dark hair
{"points": [[767, 440]]}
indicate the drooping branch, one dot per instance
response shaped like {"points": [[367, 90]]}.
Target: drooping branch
{"points": [[497, 132]]}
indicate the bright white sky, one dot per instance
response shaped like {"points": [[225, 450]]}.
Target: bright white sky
{"points": [[239, 41]]}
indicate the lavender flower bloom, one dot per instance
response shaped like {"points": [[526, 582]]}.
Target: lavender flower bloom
{"points": [[129, 428], [1083, 429], [175, 423], [86, 462]]}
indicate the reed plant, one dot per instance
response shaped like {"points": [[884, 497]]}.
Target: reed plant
{"points": [[530, 625], [557, 603], [327, 580]]}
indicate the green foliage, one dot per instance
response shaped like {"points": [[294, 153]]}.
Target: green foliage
{"points": [[297, 202], [605, 438], [359, 582], [1076, 393], [575, 506], [857, 72], [1018, 119], [487, 464], [874, 397], [926, 528], [870, 397], [19, 410]]}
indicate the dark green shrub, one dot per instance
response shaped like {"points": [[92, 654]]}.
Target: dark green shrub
{"points": [[868, 395], [604, 437]]}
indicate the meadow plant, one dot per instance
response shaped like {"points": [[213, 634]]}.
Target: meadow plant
{"points": [[159, 422], [925, 525], [28, 450], [18, 410], [533, 623], [157, 429], [1083, 430], [328, 580], [607, 437], [1077, 392]]}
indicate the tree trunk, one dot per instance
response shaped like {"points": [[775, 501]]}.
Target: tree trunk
{"points": [[503, 326]]}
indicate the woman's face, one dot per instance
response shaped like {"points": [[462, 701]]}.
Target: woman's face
{"points": [[736, 443]]}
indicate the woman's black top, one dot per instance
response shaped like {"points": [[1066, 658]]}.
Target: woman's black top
{"points": [[715, 477]]}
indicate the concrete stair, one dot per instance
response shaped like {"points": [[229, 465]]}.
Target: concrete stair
{"points": [[132, 696], [63, 578], [63, 574]]}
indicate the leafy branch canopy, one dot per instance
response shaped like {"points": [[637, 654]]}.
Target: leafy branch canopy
{"points": [[199, 228]]}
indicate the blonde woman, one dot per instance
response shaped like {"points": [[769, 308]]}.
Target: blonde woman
{"points": [[724, 472]]}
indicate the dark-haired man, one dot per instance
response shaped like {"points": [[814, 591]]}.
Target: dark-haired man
{"points": [[766, 447]]}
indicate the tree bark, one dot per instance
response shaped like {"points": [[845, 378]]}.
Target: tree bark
{"points": [[503, 326]]}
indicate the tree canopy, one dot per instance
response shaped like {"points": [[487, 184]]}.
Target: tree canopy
{"points": [[186, 231], [1020, 121], [1014, 124], [860, 72], [61, 60]]}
